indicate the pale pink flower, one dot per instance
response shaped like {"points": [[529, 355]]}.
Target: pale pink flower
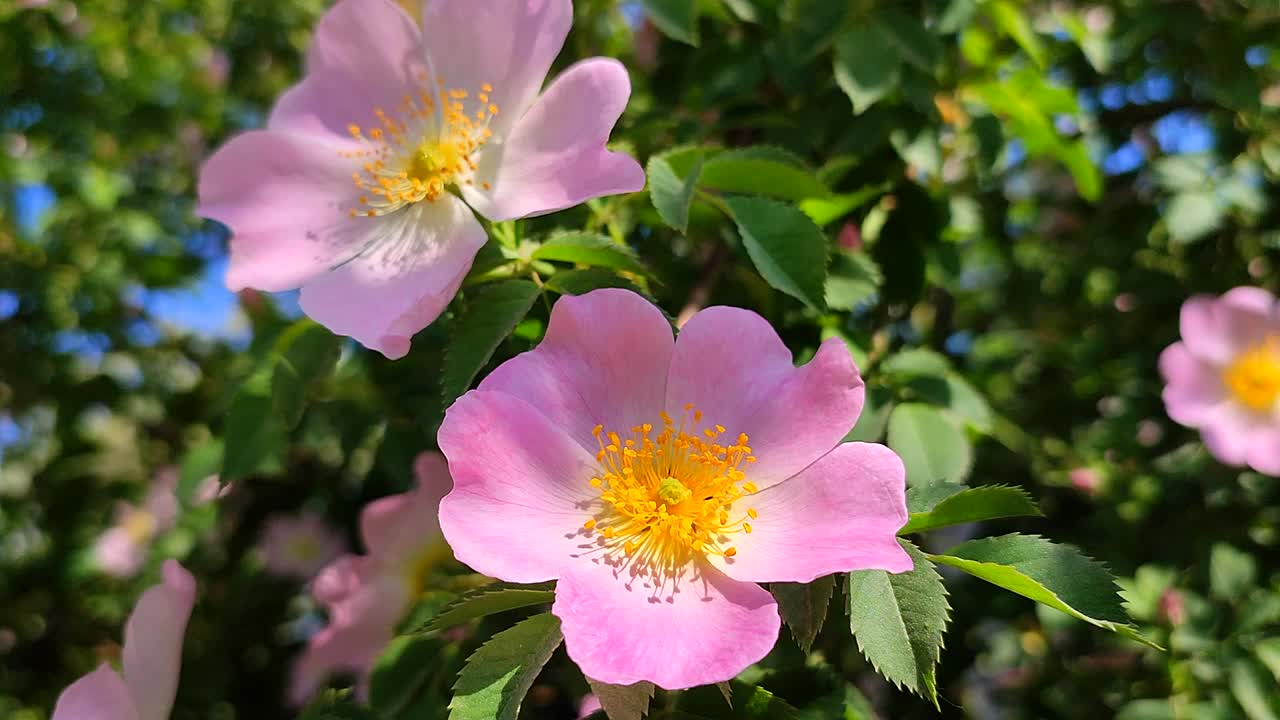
{"points": [[1224, 376], [299, 545], [1086, 480], [659, 480], [121, 550], [151, 658], [355, 191], [366, 595]]}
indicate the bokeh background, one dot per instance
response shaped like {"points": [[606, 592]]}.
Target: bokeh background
{"points": [[1031, 190]]}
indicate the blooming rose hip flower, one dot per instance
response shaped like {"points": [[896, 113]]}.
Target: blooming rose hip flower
{"points": [[358, 190], [299, 546], [121, 550], [659, 480], [152, 656], [366, 595], [1224, 376]]}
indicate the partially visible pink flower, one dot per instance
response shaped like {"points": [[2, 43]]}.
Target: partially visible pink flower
{"points": [[299, 546], [1172, 607], [850, 237], [366, 595], [590, 704], [362, 187], [152, 656], [1224, 376], [1086, 480], [660, 480], [122, 549], [210, 489]]}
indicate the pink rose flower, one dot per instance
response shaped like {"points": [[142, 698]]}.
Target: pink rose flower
{"points": [[299, 546], [355, 191], [121, 550], [660, 480], [152, 656], [1224, 376], [366, 595]]}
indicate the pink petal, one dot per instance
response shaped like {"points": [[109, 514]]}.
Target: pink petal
{"points": [[153, 642], [1264, 452], [358, 631], [604, 360], [618, 632], [841, 513], [400, 526], [414, 264], [100, 695], [365, 55], [338, 580], [1194, 388], [286, 199], [117, 554], [509, 44], [555, 157], [1218, 329], [520, 488], [734, 368], [1228, 434]]}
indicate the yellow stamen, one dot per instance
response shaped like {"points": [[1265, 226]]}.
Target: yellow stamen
{"points": [[1254, 377]]}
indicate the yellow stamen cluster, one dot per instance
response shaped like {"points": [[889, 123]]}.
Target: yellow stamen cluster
{"points": [[668, 498], [415, 154], [1254, 377]]}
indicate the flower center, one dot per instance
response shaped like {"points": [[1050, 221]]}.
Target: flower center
{"points": [[422, 566], [139, 526], [304, 548], [1254, 377], [667, 499], [421, 149]]}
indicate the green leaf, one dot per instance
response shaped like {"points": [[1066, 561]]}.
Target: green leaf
{"points": [[1147, 710], [1268, 651], [496, 677], [486, 601], [974, 505], [808, 26], [826, 210], [589, 249], [709, 703], [199, 463], [898, 621], [876, 409], [932, 447], [866, 65], [671, 195], [335, 705], [915, 362], [491, 313], [1192, 215], [1255, 692], [852, 278], [750, 173], [804, 607], [923, 498], [786, 247], [915, 44], [1013, 22], [308, 354], [254, 435], [579, 282], [1232, 572], [623, 702], [402, 675], [677, 19], [1059, 576]]}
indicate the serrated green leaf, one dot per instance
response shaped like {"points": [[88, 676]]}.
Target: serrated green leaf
{"points": [[899, 620], [623, 702], [589, 249], [671, 192], [786, 247], [974, 505], [852, 278], [924, 498], [677, 19], [827, 210], [335, 705], [932, 447], [497, 676], [402, 674], [1013, 22], [750, 702], [254, 435], [1059, 576], [308, 354], [486, 601], [804, 607], [491, 313], [867, 66], [579, 282], [752, 173]]}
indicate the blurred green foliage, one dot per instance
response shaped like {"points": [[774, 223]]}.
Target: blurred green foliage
{"points": [[1015, 198]]}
